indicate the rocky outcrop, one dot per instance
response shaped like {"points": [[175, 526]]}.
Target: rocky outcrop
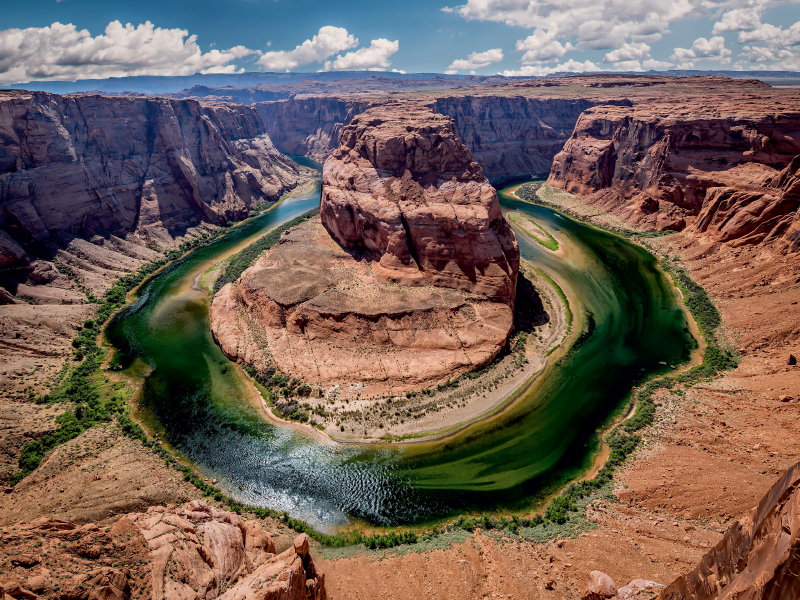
{"points": [[89, 164], [411, 281], [203, 553], [754, 215], [403, 186], [196, 552], [758, 557], [658, 165], [316, 312]]}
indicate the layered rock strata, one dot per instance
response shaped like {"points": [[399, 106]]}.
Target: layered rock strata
{"points": [[88, 165], [403, 186], [509, 135], [194, 552], [659, 165], [411, 281], [317, 312], [758, 557]]}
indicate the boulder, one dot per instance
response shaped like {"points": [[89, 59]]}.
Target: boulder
{"points": [[791, 360], [599, 587]]}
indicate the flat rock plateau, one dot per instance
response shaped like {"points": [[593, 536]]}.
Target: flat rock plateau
{"points": [[706, 508]]}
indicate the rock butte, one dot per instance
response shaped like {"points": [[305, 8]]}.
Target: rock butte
{"points": [[420, 286]]}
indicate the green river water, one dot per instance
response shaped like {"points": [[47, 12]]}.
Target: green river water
{"points": [[630, 326]]}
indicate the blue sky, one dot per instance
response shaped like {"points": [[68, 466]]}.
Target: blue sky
{"points": [[69, 39]]}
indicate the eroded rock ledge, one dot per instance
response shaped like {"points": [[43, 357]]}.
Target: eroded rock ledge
{"points": [[411, 281]]}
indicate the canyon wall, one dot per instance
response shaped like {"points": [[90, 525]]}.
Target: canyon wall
{"points": [[515, 136], [308, 126], [509, 135], [87, 165], [661, 165]]}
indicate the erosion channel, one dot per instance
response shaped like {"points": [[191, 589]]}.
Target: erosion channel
{"points": [[628, 327]]}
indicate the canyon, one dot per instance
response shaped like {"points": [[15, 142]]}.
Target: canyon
{"points": [[710, 161]]}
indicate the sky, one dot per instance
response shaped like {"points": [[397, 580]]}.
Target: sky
{"points": [[81, 39]]}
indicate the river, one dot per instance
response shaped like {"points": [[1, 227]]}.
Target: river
{"points": [[200, 403]]}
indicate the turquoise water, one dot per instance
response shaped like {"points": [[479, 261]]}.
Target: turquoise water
{"points": [[200, 403]]}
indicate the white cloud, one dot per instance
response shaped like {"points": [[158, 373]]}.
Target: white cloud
{"points": [[373, 58], [651, 63], [713, 50], [328, 41], [569, 66], [447, 9], [65, 52], [739, 19], [542, 46], [628, 52], [476, 60]]}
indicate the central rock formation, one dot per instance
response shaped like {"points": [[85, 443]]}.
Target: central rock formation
{"points": [[411, 281], [402, 185]]}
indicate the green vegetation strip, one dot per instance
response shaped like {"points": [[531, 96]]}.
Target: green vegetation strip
{"points": [[548, 242], [239, 262]]}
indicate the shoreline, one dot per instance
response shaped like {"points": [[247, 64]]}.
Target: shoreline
{"points": [[495, 403]]}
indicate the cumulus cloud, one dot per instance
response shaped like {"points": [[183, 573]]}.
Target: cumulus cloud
{"points": [[542, 46], [597, 24], [739, 19], [713, 50], [476, 60], [373, 58], [628, 52], [328, 41], [571, 66], [65, 52]]}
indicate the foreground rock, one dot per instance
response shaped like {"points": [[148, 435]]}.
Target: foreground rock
{"points": [[412, 281], [758, 557], [196, 552], [659, 165]]}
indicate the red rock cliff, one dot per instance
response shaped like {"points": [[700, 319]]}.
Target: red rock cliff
{"points": [[657, 164], [402, 185], [86, 164]]}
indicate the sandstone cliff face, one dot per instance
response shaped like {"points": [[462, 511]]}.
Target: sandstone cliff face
{"points": [[309, 126], [513, 136], [90, 164], [509, 135], [403, 186], [759, 556], [656, 164]]}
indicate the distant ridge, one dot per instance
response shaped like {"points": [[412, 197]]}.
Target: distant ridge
{"points": [[161, 84]]}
